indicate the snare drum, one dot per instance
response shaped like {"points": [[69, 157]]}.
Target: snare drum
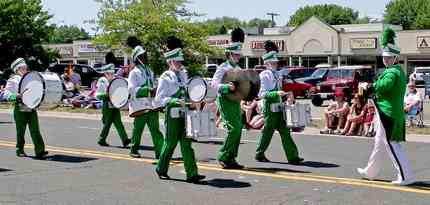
{"points": [[118, 92], [40, 88], [201, 124], [297, 115], [140, 106]]}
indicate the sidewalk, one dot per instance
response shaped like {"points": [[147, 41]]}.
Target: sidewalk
{"points": [[308, 131]]}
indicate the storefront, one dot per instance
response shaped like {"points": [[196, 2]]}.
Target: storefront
{"points": [[315, 42]]}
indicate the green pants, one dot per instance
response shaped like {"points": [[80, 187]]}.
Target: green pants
{"points": [[175, 131], [231, 115], [272, 122], [151, 119], [112, 115], [21, 121]]}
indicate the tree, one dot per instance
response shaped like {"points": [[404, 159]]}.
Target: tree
{"points": [[23, 29], [68, 34], [221, 25], [411, 14], [330, 13], [153, 21]]}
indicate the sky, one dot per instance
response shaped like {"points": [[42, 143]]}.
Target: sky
{"points": [[75, 12]]}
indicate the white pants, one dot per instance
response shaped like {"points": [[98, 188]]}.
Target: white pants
{"points": [[393, 149]]}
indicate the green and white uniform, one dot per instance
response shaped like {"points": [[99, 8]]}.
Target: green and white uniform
{"points": [[231, 115], [140, 83], [171, 88], [389, 120], [24, 116], [271, 83], [111, 115]]}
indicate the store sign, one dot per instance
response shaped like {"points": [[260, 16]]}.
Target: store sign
{"points": [[259, 45], [87, 48], [220, 42], [423, 41], [363, 43], [65, 50]]}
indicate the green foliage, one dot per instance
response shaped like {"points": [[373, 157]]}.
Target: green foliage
{"points": [[153, 21], [330, 13], [23, 29], [411, 14], [220, 25], [68, 34]]}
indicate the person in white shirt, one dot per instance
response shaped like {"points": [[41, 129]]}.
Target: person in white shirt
{"points": [[171, 95]]}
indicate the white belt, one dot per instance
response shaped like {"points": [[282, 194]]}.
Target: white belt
{"points": [[277, 107], [177, 112]]}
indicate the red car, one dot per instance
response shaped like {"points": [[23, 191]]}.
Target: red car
{"points": [[297, 88]]}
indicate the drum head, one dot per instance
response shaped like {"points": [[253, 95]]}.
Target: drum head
{"points": [[197, 89], [118, 92], [32, 89]]}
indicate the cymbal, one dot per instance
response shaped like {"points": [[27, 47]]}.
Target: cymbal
{"points": [[247, 84]]}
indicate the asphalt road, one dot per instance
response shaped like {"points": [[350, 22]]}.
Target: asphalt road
{"points": [[79, 172]]}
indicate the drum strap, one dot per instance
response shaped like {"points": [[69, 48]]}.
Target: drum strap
{"points": [[146, 74], [277, 79]]}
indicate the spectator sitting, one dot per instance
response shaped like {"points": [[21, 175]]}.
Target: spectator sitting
{"points": [[412, 103], [257, 121], [356, 115], [336, 113], [249, 109], [368, 119]]}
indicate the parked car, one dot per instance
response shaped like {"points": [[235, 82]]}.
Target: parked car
{"points": [[296, 72], [346, 77], [210, 69], [299, 89], [88, 74], [419, 73], [318, 76], [324, 65]]}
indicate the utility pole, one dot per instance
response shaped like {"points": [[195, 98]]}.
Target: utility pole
{"points": [[273, 17]]}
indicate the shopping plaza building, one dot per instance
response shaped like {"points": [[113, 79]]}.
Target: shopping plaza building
{"points": [[312, 43]]}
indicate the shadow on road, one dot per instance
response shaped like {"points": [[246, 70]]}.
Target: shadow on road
{"points": [[219, 183], [68, 159], [312, 164], [227, 183], [425, 185], [5, 170], [213, 142], [273, 170]]}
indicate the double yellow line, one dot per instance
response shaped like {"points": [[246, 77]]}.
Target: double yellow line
{"points": [[250, 172]]}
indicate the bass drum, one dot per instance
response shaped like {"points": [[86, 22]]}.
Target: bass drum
{"points": [[32, 89], [40, 89], [118, 92], [53, 88]]}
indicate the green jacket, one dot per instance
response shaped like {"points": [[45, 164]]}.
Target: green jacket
{"points": [[390, 91]]}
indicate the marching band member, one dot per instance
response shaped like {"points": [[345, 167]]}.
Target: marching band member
{"points": [[22, 114], [389, 91], [111, 115], [171, 95], [230, 110], [141, 85], [271, 92]]}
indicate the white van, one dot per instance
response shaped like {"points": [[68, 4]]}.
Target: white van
{"points": [[418, 74]]}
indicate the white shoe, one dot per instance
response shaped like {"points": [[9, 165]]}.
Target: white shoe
{"points": [[363, 174], [400, 182]]}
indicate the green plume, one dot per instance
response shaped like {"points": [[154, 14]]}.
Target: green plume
{"points": [[388, 36]]}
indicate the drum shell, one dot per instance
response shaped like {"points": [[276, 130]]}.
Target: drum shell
{"points": [[201, 124], [140, 106], [211, 92], [53, 88], [297, 115]]}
